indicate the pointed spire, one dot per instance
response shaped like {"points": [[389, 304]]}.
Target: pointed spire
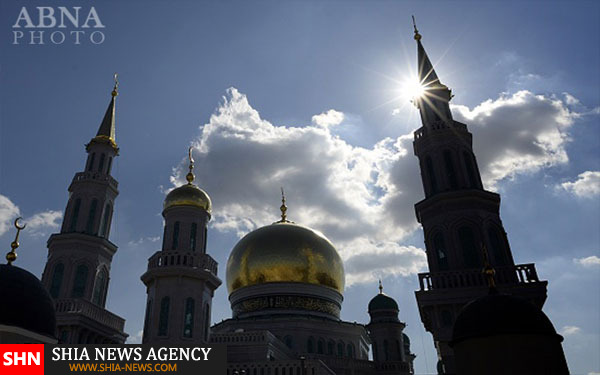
{"points": [[106, 132], [380, 287], [427, 75], [190, 176], [11, 256]]}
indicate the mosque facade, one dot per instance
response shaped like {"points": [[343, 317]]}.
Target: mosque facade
{"points": [[285, 281]]}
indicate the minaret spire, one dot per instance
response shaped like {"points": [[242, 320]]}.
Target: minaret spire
{"points": [[106, 131], [433, 104], [427, 74]]}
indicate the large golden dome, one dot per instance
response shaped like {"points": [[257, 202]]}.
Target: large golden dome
{"points": [[188, 195], [284, 252]]}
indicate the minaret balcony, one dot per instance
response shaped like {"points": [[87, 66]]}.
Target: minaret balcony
{"points": [[518, 274], [95, 176], [76, 308], [439, 126], [162, 259]]}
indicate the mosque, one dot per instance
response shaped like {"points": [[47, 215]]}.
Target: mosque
{"points": [[286, 281]]}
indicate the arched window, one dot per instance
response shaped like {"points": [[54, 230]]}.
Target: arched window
{"points": [[206, 321], [440, 251], [340, 351], [470, 170], [100, 288], [398, 349], [109, 165], [386, 350], [375, 352], [101, 164], [310, 345], [147, 318], [498, 253], [431, 174], [75, 215], [188, 318], [193, 233], [467, 242], [446, 318], [204, 241], [163, 319], [350, 350], [105, 220], [91, 218], [450, 171], [321, 346], [57, 278], [91, 162], [81, 274], [330, 346], [288, 341], [175, 235]]}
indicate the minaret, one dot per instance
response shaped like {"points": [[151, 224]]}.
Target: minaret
{"points": [[391, 347], [79, 257], [458, 216], [181, 278]]}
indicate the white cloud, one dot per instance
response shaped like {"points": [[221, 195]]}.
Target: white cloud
{"points": [[37, 224], [135, 339], [569, 330], [328, 119], [517, 133], [361, 198], [587, 185], [42, 221], [591, 261], [8, 213]]}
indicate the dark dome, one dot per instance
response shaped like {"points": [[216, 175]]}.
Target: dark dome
{"points": [[383, 302], [24, 302], [497, 314]]}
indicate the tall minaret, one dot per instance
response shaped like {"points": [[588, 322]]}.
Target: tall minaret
{"points": [[79, 257], [459, 217], [181, 278]]}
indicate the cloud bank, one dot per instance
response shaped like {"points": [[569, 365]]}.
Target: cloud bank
{"points": [[587, 185], [361, 198]]}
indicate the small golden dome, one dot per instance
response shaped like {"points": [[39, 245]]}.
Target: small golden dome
{"points": [[188, 195], [284, 252]]}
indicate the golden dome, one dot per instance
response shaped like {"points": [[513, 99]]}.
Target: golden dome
{"points": [[188, 195], [284, 252]]}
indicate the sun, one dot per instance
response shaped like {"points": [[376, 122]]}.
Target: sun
{"points": [[411, 88]]}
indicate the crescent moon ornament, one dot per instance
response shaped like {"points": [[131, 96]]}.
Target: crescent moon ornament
{"points": [[17, 224]]}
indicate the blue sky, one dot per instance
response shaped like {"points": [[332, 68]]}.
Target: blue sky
{"points": [[309, 95]]}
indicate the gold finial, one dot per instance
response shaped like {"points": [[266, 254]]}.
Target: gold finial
{"points": [[190, 176], [488, 271], [417, 35], [380, 287], [11, 256], [116, 87], [283, 207]]}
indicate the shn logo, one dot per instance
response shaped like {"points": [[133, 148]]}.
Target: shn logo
{"points": [[19, 359], [72, 24]]}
